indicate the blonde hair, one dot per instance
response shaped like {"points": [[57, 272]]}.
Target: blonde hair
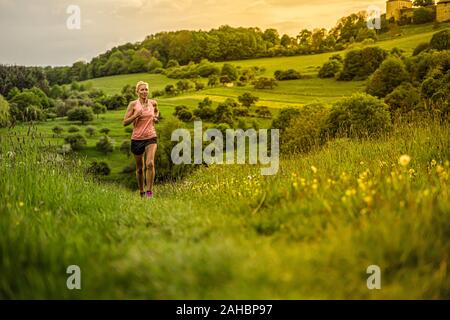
{"points": [[140, 83]]}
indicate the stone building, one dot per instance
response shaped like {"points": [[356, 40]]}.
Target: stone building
{"points": [[396, 10], [443, 11]]}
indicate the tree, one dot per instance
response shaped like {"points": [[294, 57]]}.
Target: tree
{"points": [[81, 114], [5, 116], [98, 108], [224, 114], [423, 3], [390, 75], [263, 83], [330, 69], [247, 99], [76, 141], [230, 71]]}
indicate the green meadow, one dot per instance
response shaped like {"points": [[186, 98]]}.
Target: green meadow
{"points": [[226, 231]]}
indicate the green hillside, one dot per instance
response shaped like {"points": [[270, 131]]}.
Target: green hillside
{"points": [[226, 231]]}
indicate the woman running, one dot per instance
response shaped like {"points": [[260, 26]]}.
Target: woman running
{"points": [[143, 113]]}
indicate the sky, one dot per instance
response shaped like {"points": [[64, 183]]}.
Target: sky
{"points": [[35, 32]]}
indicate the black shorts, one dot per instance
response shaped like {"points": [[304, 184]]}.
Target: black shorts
{"points": [[138, 146]]}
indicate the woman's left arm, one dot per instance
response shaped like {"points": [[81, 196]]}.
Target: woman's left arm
{"points": [[155, 106]]}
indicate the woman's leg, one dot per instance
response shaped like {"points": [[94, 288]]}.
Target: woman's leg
{"points": [[140, 171], [150, 151]]}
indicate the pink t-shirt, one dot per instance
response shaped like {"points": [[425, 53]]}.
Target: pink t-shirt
{"points": [[144, 127]]}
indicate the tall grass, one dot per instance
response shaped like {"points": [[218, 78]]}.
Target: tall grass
{"points": [[227, 232]]}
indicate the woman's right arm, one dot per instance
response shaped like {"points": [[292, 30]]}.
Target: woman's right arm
{"points": [[129, 116]]}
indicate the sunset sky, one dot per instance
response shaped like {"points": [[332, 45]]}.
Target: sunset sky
{"points": [[34, 32]]}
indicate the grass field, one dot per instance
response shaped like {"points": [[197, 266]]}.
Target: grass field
{"points": [[228, 232], [225, 231]]}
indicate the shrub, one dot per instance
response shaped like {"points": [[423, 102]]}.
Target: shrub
{"points": [[404, 99], [290, 74], [81, 114], [441, 40], [359, 116], [420, 48], [76, 141], [390, 75], [224, 114], [99, 168], [240, 112], [90, 131], [330, 69], [57, 130], [423, 15], [230, 71], [247, 99], [125, 147], [304, 129], [263, 83], [359, 64], [73, 129], [4, 112], [105, 131], [285, 115], [105, 144], [263, 112]]}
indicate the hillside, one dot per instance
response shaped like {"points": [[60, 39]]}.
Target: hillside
{"points": [[299, 234], [225, 231]]}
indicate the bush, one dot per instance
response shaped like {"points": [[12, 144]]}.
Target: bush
{"points": [[81, 114], [73, 129], [263, 83], [76, 141], [125, 147], [360, 64], [390, 75], [240, 112], [247, 99], [304, 129], [285, 115], [441, 40], [90, 131], [263, 112], [5, 117], [420, 48], [423, 15], [99, 168], [404, 99], [105, 144], [105, 131], [224, 114], [230, 71], [359, 116], [290, 74], [330, 69], [57, 130]]}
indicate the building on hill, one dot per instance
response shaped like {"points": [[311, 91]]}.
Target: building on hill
{"points": [[443, 11], [395, 9], [402, 10]]}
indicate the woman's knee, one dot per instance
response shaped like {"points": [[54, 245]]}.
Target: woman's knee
{"points": [[150, 164]]}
